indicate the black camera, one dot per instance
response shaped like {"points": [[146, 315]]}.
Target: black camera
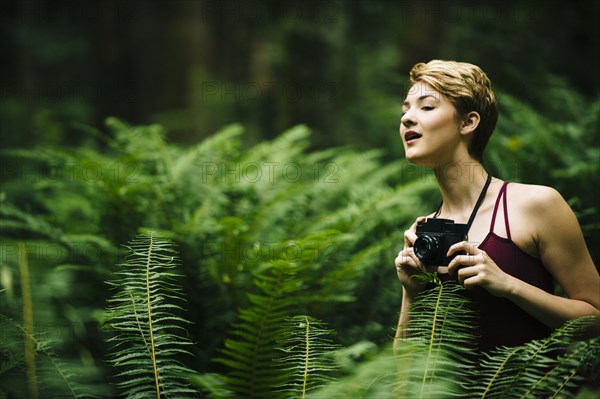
{"points": [[435, 237]]}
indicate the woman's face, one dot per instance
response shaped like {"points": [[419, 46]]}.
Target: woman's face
{"points": [[429, 127]]}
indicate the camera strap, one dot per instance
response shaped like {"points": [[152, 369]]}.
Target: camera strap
{"points": [[477, 204]]}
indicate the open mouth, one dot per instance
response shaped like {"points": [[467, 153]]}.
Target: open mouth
{"points": [[411, 136]]}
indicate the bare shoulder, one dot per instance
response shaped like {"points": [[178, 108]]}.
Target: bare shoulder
{"points": [[536, 199], [546, 227], [539, 215]]}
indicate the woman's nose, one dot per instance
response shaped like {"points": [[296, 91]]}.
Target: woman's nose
{"points": [[407, 119]]}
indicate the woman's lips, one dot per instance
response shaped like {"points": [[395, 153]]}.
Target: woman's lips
{"points": [[411, 136]]}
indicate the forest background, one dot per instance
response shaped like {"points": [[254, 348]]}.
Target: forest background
{"points": [[109, 116]]}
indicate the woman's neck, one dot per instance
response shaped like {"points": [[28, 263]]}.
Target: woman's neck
{"points": [[460, 185]]}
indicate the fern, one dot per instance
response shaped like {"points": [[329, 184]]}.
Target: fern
{"points": [[51, 370], [440, 332], [308, 361], [234, 233], [436, 360], [541, 368], [148, 335], [58, 368], [251, 352], [375, 378], [393, 376], [12, 219], [250, 355]]}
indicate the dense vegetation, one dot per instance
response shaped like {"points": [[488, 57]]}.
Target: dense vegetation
{"points": [[263, 234]]}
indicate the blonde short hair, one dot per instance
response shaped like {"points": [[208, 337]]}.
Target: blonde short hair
{"points": [[468, 88]]}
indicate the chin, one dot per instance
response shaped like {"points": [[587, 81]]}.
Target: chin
{"points": [[417, 159], [429, 159]]}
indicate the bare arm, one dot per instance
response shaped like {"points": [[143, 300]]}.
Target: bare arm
{"points": [[563, 251], [407, 265], [404, 317]]}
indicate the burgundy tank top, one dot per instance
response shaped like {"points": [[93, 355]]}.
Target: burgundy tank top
{"points": [[502, 323]]}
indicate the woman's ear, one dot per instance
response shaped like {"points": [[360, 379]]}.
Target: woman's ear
{"points": [[469, 123]]}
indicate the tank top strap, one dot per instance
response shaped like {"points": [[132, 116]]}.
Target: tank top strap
{"points": [[502, 194], [506, 211]]}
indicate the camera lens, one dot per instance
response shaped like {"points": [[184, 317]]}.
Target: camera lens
{"points": [[426, 248]]}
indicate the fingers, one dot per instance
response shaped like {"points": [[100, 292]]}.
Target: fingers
{"points": [[419, 219], [471, 255], [407, 263], [465, 246], [407, 259], [409, 235], [470, 276], [462, 261], [409, 238], [469, 265]]}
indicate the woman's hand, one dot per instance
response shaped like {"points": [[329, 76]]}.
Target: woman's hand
{"points": [[407, 263], [476, 268]]}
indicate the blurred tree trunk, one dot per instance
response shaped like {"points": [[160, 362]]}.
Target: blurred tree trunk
{"points": [[423, 31], [26, 86]]}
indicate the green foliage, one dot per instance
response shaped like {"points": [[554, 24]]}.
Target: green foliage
{"points": [[48, 372], [251, 353], [148, 334], [543, 368], [235, 213]]}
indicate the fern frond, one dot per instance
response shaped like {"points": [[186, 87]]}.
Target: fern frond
{"points": [[58, 366], [308, 360], [54, 374], [148, 339], [286, 146], [389, 376], [344, 277], [432, 362], [14, 220], [440, 331], [374, 378], [540, 368], [251, 351], [208, 153]]}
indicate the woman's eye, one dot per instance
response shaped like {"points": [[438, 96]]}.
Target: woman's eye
{"points": [[427, 108]]}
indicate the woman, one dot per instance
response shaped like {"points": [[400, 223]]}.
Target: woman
{"points": [[523, 238]]}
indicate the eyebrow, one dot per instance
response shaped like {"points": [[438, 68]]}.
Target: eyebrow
{"points": [[421, 98]]}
